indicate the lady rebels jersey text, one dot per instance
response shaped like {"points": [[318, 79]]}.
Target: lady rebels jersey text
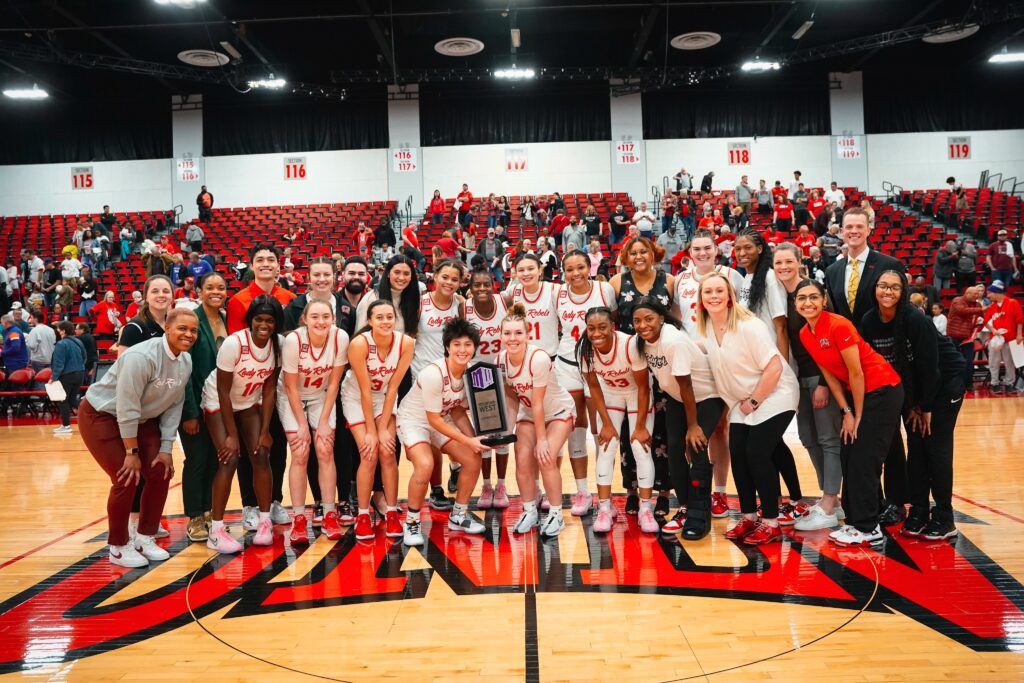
{"points": [[313, 366], [490, 329], [380, 370], [541, 318], [435, 391], [430, 331], [615, 371], [572, 317], [536, 372], [238, 356]]}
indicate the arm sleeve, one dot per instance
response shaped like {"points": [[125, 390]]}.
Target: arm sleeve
{"points": [[342, 339], [57, 360], [430, 388], [540, 368], [289, 354], [924, 339], [680, 364], [609, 295], [843, 333], [229, 354]]}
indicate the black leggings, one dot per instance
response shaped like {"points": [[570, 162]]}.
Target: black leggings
{"points": [[930, 459], [709, 412], [786, 465], [753, 465], [863, 459]]}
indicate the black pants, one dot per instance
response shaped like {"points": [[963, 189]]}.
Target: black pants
{"points": [[930, 458], [802, 217], [659, 446], [709, 412], [278, 465], [894, 473], [862, 460], [967, 350], [72, 383], [197, 246], [344, 461], [782, 457], [753, 465], [783, 224]]}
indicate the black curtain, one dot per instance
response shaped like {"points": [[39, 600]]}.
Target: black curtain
{"points": [[260, 123], [969, 98], [483, 114], [739, 109], [60, 131]]}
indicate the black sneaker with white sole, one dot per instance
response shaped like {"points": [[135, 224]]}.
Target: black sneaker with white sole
{"points": [[917, 520], [453, 479], [438, 501], [939, 529]]}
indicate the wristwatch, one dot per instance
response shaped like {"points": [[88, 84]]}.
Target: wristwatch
{"points": [[753, 401], [132, 451], [846, 411]]}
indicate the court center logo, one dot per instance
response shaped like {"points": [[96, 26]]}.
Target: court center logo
{"points": [[953, 588]]}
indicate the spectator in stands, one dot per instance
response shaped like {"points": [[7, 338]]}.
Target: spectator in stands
{"points": [[463, 203], [107, 317], [51, 280], [68, 368], [618, 222], [805, 240], [558, 224], [939, 318], [706, 181], [18, 311], [487, 210], [133, 307], [816, 265], [296, 233], [35, 298], [1005, 323], [384, 235], [83, 331], [707, 221], [644, 221], [744, 194], [556, 202], [449, 246], [493, 250], [931, 294], [436, 209], [794, 185], [87, 292], [204, 202], [672, 242], [504, 212], [32, 267], [574, 236], [737, 219], [815, 204], [58, 313], [71, 268], [5, 297], [967, 264], [763, 195], [78, 240], [98, 248], [823, 219], [126, 238], [541, 212], [185, 296], [957, 194], [836, 196], [669, 206], [778, 191], [197, 267], [946, 259], [544, 236], [592, 222], [687, 213], [40, 341], [684, 181], [15, 350], [595, 256], [526, 211], [499, 234], [782, 218], [107, 221], [963, 323], [178, 269], [364, 240], [1001, 259], [800, 200], [194, 235], [415, 255], [866, 205], [548, 260], [409, 236]]}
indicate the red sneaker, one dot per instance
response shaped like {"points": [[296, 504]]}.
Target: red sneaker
{"points": [[764, 534], [393, 525], [743, 529], [719, 504], [299, 532], [364, 528], [331, 528], [789, 513]]}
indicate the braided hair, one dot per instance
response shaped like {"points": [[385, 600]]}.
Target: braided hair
{"points": [[758, 283], [584, 347]]}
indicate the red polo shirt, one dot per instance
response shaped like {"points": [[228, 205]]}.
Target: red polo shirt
{"points": [[834, 334], [805, 244], [238, 305]]}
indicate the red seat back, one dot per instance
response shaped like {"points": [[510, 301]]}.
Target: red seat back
{"points": [[21, 376]]}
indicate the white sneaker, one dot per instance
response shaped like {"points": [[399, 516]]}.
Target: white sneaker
{"points": [[412, 534], [815, 519], [278, 515], [840, 513], [161, 530], [149, 549], [251, 517], [553, 523], [467, 523], [850, 536], [527, 521], [127, 556], [62, 430], [222, 541]]}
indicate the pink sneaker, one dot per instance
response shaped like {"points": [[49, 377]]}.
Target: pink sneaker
{"points": [[582, 504], [486, 499], [223, 542], [264, 533], [645, 518], [500, 497], [604, 521]]}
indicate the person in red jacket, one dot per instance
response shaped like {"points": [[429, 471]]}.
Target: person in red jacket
{"points": [[783, 216], [464, 201], [1005, 321], [436, 209], [962, 326], [805, 240], [409, 236], [107, 317]]}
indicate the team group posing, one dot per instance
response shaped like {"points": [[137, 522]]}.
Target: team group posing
{"points": [[682, 374]]}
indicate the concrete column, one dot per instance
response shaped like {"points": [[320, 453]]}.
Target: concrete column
{"points": [[628, 127], [187, 143], [405, 156], [846, 104]]}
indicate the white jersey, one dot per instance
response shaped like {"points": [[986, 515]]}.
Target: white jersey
{"points": [[675, 354], [490, 329], [380, 369], [775, 303], [615, 370], [536, 371], [250, 368], [435, 391], [313, 366], [687, 284], [430, 333], [572, 314], [541, 318]]}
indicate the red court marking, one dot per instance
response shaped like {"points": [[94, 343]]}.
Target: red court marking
{"points": [[61, 538], [990, 509]]}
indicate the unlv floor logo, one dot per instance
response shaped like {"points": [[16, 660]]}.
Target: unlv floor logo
{"points": [[953, 588]]}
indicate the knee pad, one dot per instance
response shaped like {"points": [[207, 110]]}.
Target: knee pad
{"points": [[578, 443], [486, 455], [644, 465], [606, 462]]}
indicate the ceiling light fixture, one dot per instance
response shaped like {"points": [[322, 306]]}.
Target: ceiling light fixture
{"points": [[757, 66], [515, 73], [183, 4], [33, 93], [1004, 56], [231, 50], [804, 28], [696, 40], [269, 83], [517, 38], [950, 33]]}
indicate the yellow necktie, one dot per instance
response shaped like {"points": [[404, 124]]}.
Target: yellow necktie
{"points": [[851, 289]]}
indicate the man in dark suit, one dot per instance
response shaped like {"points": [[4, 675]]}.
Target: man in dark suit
{"points": [[851, 287]]}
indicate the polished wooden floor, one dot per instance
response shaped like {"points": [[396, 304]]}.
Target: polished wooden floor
{"points": [[584, 607]]}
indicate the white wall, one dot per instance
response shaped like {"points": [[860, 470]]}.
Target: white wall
{"points": [[921, 160], [564, 167], [258, 179], [44, 189]]}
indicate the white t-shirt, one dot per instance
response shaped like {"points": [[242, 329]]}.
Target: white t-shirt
{"points": [[773, 306], [836, 196], [71, 268], [644, 220], [675, 354], [737, 365]]}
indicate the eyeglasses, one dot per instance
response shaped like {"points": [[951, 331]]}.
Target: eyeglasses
{"points": [[881, 286]]}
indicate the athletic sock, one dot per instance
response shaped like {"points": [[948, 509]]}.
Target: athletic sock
{"points": [[645, 503], [264, 515], [364, 511], [605, 504], [133, 518], [501, 481], [412, 516], [581, 485], [217, 525], [329, 507], [719, 489], [394, 508], [459, 510], [530, 506], [298, 510]]}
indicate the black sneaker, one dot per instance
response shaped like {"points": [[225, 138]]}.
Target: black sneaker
{"points": [[453, 478], [892, 514], [661, 509], [439, 501], [632, 504], [938, 530], [318, 514], [916, 522], [345, 515]]}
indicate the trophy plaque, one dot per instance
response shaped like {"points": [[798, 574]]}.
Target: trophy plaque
{"points": [[486, 393]]}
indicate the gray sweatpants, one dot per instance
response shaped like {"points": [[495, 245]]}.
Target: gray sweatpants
{"points": [[819, 433]]}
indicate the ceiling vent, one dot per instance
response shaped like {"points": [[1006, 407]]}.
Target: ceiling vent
{"points": [[695, 40], [205, 58], [459, 47], [950, 34]]}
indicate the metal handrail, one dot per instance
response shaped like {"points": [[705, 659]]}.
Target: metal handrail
{"points": [[1011, 180], [656, 194], [994, 178]]}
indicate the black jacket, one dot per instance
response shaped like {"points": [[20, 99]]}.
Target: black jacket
{"points": [[835, 277]]}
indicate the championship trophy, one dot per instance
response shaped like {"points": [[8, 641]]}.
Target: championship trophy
{"points": [[486, 393]]}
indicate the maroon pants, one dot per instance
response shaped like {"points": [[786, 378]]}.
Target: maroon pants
{"points": [[102, 437]]}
